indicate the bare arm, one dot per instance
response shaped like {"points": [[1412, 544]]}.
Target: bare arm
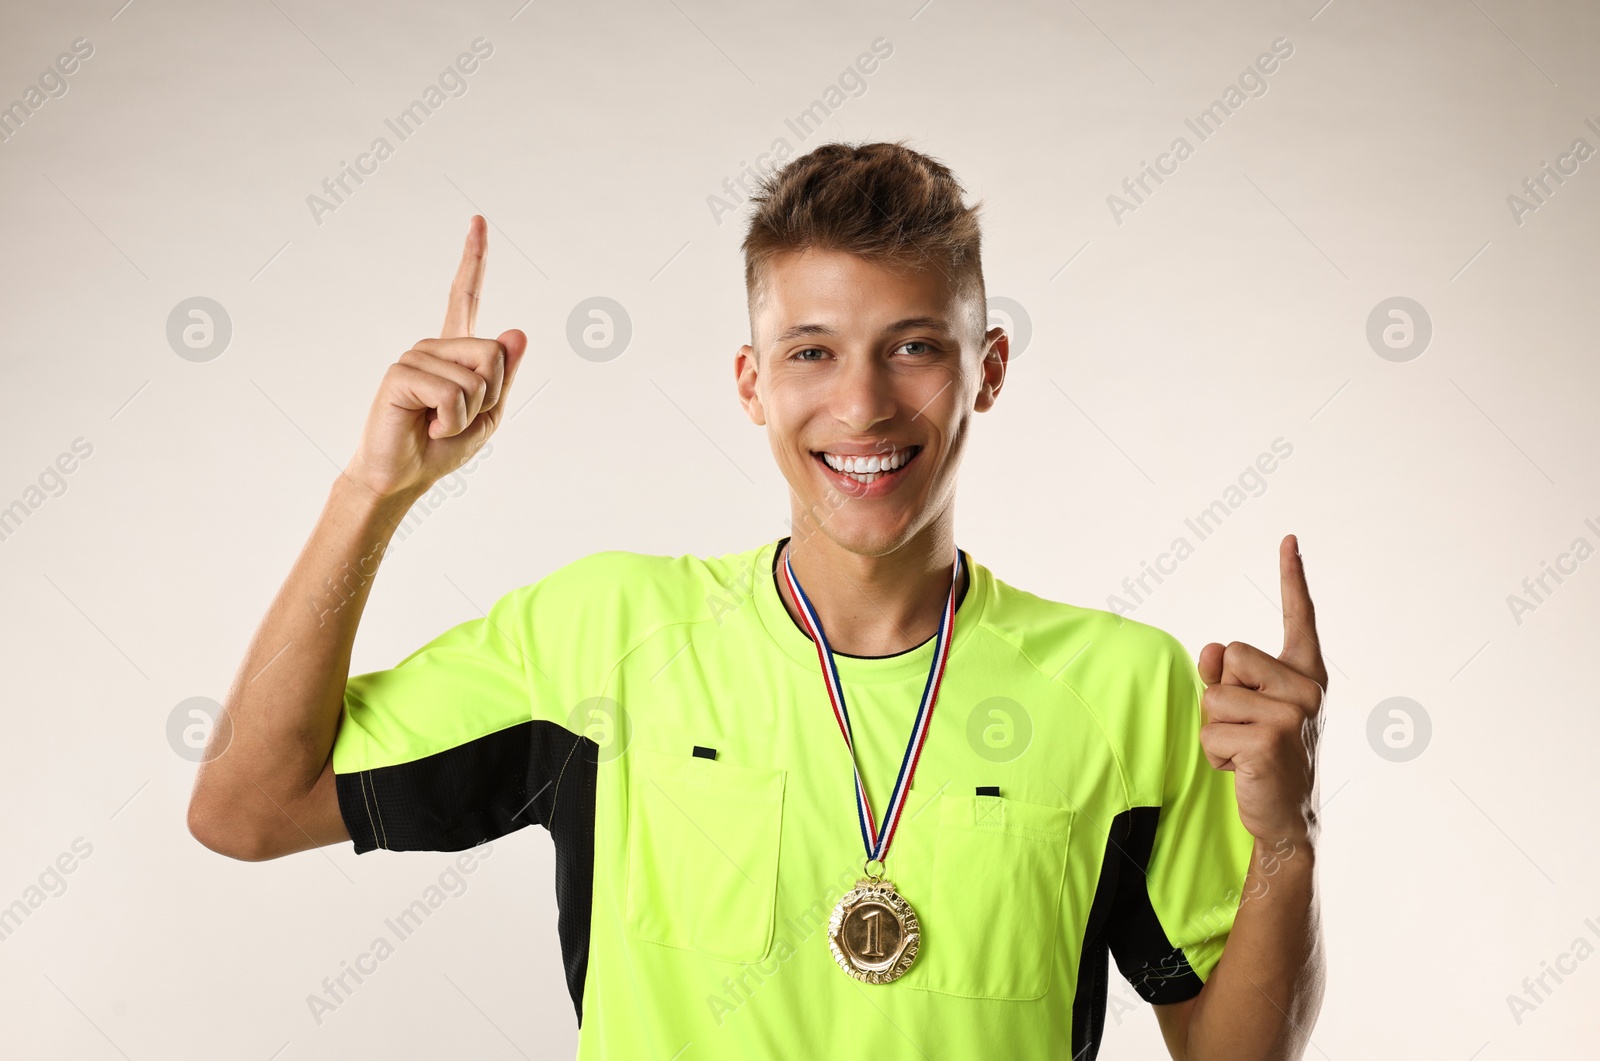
{"points": [[266, 786], [269, 790], [1264, 995]]}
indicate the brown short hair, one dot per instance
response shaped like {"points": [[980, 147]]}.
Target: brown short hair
{"points": [[884, 202]]}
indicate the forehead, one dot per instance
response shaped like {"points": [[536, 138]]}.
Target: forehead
{"points": [[841, 289]]}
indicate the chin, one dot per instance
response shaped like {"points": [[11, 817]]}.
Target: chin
{"points": [[868, 535]]}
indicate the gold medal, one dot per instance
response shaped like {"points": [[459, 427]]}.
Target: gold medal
{"points": [[873, 933]]}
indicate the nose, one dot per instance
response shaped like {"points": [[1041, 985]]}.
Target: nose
{"points": [[863, 393]]}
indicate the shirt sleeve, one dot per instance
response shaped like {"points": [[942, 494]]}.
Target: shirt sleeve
{"points": [[1182, 864], [465, 739]]}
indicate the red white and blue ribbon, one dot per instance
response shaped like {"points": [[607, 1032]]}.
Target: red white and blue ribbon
{"points": [[877, 844]]}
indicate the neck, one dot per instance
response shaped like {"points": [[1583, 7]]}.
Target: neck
{"points": [[874, 605]]}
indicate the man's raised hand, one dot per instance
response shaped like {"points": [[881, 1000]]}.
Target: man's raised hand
{"points": [[439, 403], [1264, 715]]}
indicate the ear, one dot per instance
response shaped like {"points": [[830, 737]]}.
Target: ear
{"points": [[746, 373], [996, 353]]}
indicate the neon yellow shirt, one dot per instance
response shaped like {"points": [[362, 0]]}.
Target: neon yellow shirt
{"points": [[695, 887]]}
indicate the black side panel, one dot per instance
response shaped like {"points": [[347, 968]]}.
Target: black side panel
{"points": [[1159, 971], [1122, 921], [565, 805], [1089, 1005], [535, 771]]}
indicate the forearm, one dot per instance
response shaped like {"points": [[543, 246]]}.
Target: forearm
{"points": [[1262, 999], [281, 716]]}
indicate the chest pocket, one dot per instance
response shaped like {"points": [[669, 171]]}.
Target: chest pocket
{"points": [[703, 854], [994, 907]]}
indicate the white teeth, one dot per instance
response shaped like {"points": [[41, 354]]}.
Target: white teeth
{"points": [[867, 465]]}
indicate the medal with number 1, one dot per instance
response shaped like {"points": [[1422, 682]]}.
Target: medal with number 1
{"points": [[874, 933]]}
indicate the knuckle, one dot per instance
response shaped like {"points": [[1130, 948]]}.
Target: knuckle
{"points": [[443, 394], [1304, 689], [492, 355]]}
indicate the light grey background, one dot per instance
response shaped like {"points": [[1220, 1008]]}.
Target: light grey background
{"points": [[1167, 351]]}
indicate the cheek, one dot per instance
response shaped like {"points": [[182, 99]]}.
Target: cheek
{"points": [[940, 404], [788, 407], [784, 423], [781, 421]]}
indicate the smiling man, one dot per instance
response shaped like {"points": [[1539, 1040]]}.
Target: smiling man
{"points": [[845, 793]]}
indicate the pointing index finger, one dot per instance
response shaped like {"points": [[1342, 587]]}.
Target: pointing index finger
{"points": [[461, 316], [1301, 648]]}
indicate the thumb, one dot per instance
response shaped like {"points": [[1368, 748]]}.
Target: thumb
{"points": [[516, 344], [1209, 663]]}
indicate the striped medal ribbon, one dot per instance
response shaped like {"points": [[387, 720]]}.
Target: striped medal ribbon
{"points": [[874, 934]]}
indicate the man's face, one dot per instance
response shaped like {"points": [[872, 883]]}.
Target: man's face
{"points": [[858, 360]]}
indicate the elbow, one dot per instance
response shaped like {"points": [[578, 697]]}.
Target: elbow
{"points": [[223, 835]]}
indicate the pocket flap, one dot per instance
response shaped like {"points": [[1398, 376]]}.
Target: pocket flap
{"points": [[1028, 820]]}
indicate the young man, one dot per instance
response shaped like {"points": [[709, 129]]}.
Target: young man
{"points": [[843, 794]]}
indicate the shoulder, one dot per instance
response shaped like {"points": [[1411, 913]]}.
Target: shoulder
{"points": [[581, 619], [1136, 679], [1077, 643], [643, 587]]}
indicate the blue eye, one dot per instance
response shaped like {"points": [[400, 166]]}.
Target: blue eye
{"points": [[927, 349]]}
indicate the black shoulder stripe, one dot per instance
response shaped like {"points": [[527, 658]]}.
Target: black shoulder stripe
{"points": [[447, 801]]}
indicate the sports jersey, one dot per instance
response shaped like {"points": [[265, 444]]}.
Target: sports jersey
{"points": [[665, 719]]}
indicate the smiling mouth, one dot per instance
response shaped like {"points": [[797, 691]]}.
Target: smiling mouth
{"points": [[848, 470]]}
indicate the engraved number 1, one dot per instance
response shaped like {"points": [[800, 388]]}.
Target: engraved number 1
{"points": [[872, 917]]}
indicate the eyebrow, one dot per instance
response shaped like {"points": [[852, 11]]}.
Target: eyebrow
{"points": [[800, 331]]}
